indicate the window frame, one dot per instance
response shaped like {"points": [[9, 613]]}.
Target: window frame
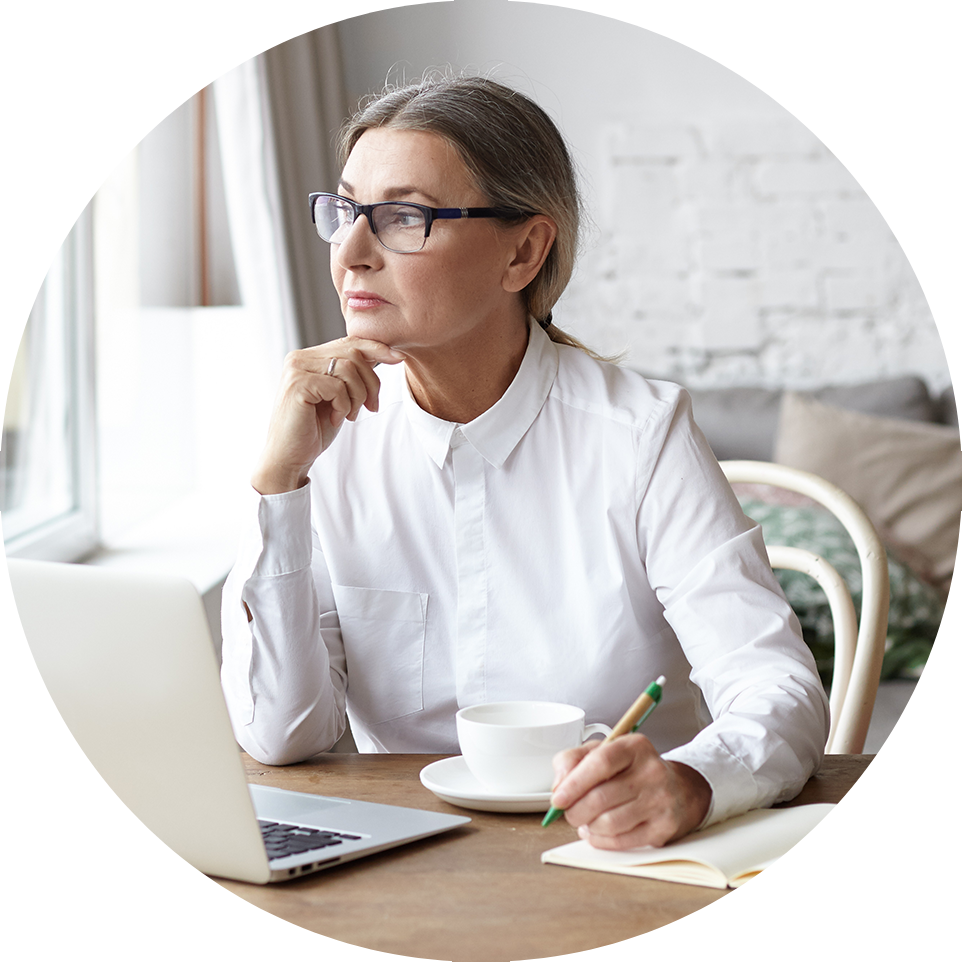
{"points": [[62, 28]]}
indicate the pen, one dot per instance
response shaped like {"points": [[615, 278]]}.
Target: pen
{"points": [[631, 721]]}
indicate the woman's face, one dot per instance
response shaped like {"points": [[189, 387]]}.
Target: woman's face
{"points": [[446, 293]]}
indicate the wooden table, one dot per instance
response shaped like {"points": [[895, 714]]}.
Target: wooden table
{"points": [[477, 893]]}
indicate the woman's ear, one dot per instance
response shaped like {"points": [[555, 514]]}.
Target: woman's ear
{"points": [[532, 243]]}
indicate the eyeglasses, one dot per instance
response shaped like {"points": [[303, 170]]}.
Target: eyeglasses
{"points": [[400, 227]]}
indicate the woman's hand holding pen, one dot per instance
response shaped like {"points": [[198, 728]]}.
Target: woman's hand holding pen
{"points": [[321, 387], [623, 794]]}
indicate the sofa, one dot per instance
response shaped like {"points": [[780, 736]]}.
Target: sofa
{"points": [[893, 446], [742, 422]]}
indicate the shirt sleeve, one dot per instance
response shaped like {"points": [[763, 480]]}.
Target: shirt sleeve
{"points": [[709, 568], [284, 672]]}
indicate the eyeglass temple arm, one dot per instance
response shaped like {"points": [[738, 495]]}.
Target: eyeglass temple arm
{"points": [[452, 213]]}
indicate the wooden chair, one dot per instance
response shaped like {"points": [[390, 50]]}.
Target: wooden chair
{"points": [[859, 646]]}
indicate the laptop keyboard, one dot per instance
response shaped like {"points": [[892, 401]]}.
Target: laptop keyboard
{"points": [[283, 839]]}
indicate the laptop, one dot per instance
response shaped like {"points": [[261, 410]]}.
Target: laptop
{"points": [[129, 661]]}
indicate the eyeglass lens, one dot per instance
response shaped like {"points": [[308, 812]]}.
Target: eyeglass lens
{"points": [[399, 227]]}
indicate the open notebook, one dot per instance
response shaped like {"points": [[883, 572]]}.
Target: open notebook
{"points": [[129, 661], [831, 853]]}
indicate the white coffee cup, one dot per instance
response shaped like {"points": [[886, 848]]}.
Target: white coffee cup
{"points": [[508, 746]]}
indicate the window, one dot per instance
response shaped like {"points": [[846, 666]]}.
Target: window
{"points": [[157, 234], [47, 489], [143, 385]]}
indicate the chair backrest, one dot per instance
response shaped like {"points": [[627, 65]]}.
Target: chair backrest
{"points": [[858, 651]]}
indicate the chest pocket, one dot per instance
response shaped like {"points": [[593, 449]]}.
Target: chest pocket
{"points": [[383, 633]]}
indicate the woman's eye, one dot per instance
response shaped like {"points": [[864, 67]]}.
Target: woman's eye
{"points": [[405, 218]]}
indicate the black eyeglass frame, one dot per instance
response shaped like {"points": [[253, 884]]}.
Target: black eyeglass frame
{"points": [[431, 214]]}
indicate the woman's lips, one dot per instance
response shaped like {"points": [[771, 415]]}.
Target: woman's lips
{"points": [[363, 300]]}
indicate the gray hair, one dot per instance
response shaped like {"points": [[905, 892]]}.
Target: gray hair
{"points": [[513, 150]]}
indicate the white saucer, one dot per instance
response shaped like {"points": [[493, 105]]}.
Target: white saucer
{"points": [[451, 781]]}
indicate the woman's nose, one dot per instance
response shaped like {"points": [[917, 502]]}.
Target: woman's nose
{"points": [[360, 248]]}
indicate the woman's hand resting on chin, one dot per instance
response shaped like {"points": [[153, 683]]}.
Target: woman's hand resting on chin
{"points": [[313, 402], [623, 794]]}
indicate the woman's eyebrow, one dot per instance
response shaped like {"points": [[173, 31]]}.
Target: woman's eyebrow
{"points": [[395, 193]]}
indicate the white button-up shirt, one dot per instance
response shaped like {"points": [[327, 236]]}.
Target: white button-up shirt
{"points": [[571, 544]]}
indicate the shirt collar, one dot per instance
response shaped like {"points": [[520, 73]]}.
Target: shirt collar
{"points": [[495, 433]]}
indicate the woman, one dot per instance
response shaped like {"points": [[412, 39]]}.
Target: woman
{"points": [[504, 516]]}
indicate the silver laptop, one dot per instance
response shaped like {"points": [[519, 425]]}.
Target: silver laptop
{"points": [[129, 662]]}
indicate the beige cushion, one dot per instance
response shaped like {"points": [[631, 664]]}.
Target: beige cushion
{"points": [[907, 476]]}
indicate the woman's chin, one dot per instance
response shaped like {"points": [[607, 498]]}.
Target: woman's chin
{"points": [[366, 327]]}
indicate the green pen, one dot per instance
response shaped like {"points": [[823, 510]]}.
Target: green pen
{"points": [[631, 721]]}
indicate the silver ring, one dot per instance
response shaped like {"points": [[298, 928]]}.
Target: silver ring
{"points": [[330, 367]]}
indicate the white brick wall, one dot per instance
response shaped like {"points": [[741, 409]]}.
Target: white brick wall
{"points": [[744, 253]]}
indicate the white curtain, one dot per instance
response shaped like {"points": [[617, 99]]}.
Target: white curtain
{"points": [[251, 179], [278, 95]]}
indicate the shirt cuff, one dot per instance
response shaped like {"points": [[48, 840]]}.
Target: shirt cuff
{"points": [[284, 521], [733, 787]]}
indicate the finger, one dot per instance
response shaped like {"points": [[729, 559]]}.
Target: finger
{"points": [[665, 801], [565, 761], [361, 383], [375, 351], [612, 807], [323, 395], [656, 831], [619, 804], [334, 378], [366, 389], [600, 765], [341, 360]]}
